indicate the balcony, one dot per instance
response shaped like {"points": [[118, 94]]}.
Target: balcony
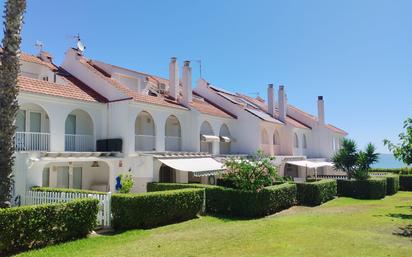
{"points": [[145, 143], [78, 143], [32, 141], [173, 143]]}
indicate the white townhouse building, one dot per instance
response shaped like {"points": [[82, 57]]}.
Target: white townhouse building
{"points": [[84, 123]]}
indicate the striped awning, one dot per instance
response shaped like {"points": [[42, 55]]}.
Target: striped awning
{"points": [[204, 166]]}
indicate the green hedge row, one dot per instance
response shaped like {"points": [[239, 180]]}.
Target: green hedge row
{"points": [[392, 184], [373, 188], [233, 202], [315, 193], [405, 182], [155, 209], [28, 227], [66, 190], [404, 170]]}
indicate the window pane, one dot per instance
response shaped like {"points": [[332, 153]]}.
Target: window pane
{"points": [[46, 177], [21, 121], [35, 122], [71, 125], [63, 177]]}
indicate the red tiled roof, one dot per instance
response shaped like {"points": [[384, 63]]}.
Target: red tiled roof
{"points": [[207, 107], [136, 96], [336, 130], [34, 59], [73, 89]]}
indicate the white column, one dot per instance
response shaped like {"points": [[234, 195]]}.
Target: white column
{"points": [[160, 135], [57, 128]]}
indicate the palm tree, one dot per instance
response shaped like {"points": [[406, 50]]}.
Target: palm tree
{"points": [[345, 159], [9, 71]]}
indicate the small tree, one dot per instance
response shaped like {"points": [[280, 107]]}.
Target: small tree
{"points": [[126, 182], [403, 150], [251, 174], [355, 163]]}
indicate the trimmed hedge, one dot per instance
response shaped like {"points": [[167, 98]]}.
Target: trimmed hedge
{"points": [[373, 188], [66, 190], [405, 182], [404, 170], [155, 209], [392, 184], [34, 226], [239, 203], [315, 193]]}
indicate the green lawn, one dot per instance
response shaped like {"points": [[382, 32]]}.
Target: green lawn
{"points": [[342, 227]]}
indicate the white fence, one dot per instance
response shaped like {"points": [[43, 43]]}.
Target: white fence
{"points": [[79, 143], [38, 197], [32, 141]]}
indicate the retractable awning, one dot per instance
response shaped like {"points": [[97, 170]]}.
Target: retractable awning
{"points": [[203, 166], [225, 139], [209, 138], [310, 164]]}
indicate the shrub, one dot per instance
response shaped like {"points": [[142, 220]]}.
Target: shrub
{"points": [[39, 225], [392, 184], [240, 203], [404, 170], [405, 182], [251, 174], [226, 182], [66, 190], [315, 193], [126, 182], [373, 188], [155, 209]]}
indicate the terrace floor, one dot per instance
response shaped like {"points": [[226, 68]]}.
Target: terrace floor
{"points": [[342, 227]]}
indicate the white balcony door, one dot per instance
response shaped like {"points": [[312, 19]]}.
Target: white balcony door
{"points": [[77, 177], [71, 124], [35, 122], [21, 121]]}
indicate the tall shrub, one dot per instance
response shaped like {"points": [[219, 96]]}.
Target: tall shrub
{"points": [[9, 71], [403, 150]]}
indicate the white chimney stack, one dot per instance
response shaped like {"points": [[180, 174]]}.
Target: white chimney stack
{"points": [[321, 110], [173, 78], [271, 100], [282, 104], [187, 83]]}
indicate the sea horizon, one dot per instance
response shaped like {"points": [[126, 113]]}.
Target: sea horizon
{"points": [[387, 160]]}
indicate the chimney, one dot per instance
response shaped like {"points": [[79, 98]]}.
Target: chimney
{"points": [[173, 78], [321, 111], [187, 83], [45, 56], [271, 102], [282, 103]]}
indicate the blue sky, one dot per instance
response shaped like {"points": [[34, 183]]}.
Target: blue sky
{"points": [[357, 54]]}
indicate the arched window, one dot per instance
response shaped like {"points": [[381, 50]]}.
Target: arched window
{"points": [[304, 142], [296, 141], [225, 139], [265, 137], [206, 144], [172, 134], [144, 132], [79, 132]]}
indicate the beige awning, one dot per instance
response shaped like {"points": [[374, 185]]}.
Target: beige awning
{"points": [[310, 164], [209, 138], [205, 166], [225, 139]]}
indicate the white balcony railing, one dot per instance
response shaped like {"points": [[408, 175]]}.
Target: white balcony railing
{"points": [[145, 143], [32, 141], [173, 143], [78, 143]]}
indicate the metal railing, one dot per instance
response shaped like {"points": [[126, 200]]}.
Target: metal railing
{"points": [[78, 143], [32, 141], [173, 143], [145, 143]]}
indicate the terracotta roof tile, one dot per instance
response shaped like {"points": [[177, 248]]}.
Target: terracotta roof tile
{"points": [[336, 130]]}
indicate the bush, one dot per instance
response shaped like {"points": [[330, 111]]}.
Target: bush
{"points": [[155, 209], [404, 170], [66, 190], [392, 184], [373, 188], [226, 182], [405, 182], [34, 226], [315, 193], [240, 203]]}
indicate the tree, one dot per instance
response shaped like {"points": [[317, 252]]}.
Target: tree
{"points": [[345, 159], [403, 150], [9, 71], [355, 163]]}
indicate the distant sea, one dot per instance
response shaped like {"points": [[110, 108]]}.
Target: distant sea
{"points": [[388, 161]]}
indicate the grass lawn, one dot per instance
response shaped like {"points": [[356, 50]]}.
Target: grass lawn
{"points": [[342, 227]]}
